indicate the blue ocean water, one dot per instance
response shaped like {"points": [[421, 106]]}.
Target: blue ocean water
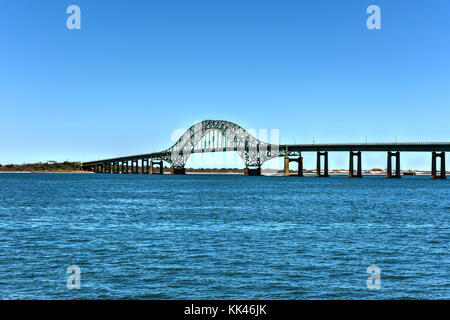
{"points": [[223, 237]]}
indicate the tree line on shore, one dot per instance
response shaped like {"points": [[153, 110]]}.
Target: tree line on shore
{"points": [[51, 166]]}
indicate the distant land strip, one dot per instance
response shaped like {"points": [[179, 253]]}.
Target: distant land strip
{"points": [[75, 167]]}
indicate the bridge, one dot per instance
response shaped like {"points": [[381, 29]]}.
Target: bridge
{"points": [[224, 136]]}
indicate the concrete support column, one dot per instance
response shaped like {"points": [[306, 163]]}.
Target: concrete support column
{"points": [[442, 172], [143, 166], [252, 171], [397, 164], [350, 166], [318, 164], [286, 166], [325, 164], [351, 171], [443, 165], [287, 160], [389, 165], [300, 166], [178, 170], [359, 167], [161, 167], [433, 165]]}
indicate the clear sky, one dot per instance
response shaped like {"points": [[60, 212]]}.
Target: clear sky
{"points": [[138, 70]]}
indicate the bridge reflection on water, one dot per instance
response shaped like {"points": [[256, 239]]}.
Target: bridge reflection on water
{"points": [[224, 136]]}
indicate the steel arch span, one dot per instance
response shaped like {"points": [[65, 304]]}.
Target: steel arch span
{"points": [[220, 136]]}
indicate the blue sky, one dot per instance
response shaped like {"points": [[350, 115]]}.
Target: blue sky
{"points": [[138, 70]]}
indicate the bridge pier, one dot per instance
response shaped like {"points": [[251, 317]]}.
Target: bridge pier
{"points": [[145, 166], [325, 164], [177, 170], [434, 157], [134, 167], [161, 167], [287, 160], [252, 171], [351, 172], [389, 165]]}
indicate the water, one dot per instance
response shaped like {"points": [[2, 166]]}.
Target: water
{"points": [[223, 237]]}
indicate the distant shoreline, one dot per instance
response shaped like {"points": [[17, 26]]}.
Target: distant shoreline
{"points": [[267, 172], [76, 167]]}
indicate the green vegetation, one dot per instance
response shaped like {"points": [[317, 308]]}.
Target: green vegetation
{"points": [[50, 166]]}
